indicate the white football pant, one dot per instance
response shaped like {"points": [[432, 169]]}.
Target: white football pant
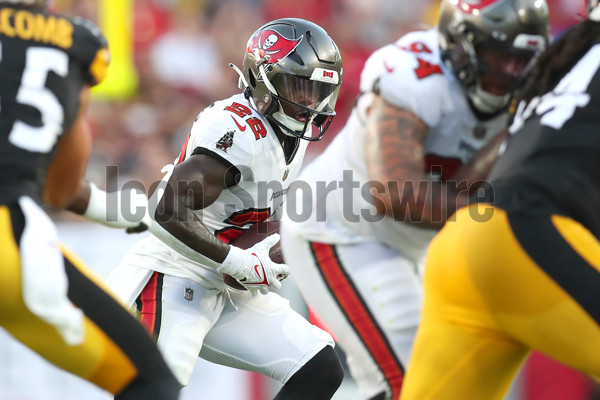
{"points": [[259, 333], [369, 296]]}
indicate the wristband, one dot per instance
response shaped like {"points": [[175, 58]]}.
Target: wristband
{"points": [[97, 209]]}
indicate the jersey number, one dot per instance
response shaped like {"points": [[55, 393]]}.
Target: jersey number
{"points": [[425, 68], [33, 92], [256, 124], [558, 106]]}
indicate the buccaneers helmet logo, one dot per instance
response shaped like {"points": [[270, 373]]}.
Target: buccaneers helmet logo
{"points": [[270, 46]]}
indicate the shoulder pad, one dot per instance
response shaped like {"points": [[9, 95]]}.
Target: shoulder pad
{"points": [[227, 133], [413, 77]]}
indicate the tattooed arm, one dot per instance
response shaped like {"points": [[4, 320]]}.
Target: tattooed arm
{"points": [[396, 161]]}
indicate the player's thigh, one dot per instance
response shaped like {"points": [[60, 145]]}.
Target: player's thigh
{"points": [[379, 295], [352, 285], [179, 313], [45, 319], [451, 361], [461, 351], [263, 334], [369, 296], [554, 308]]}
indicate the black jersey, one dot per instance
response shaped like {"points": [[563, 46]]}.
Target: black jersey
{"points": [[552, 161], [45, 60]]}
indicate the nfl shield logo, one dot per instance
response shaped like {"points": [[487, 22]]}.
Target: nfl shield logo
{"points": [[189, 294]]}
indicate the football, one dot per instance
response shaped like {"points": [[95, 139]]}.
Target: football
{"points": [[249, 238]]}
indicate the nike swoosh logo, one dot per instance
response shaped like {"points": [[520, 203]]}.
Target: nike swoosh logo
{"points": [[387, 67], [264, 274], [241, 128]]}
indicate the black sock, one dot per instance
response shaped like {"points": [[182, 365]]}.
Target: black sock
{"points": [[318, 379]]}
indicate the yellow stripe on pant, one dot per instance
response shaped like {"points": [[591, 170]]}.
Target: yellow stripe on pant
{"points": [[98, 359], [488, 303]]}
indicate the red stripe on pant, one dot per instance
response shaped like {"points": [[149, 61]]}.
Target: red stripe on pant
{"points": [[358, 315], [149, 304]]}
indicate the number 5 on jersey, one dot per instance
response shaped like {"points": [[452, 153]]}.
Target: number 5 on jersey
{"points": [[33, 92]]}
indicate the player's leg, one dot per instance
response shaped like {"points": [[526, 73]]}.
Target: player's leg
{"points": [[370, 298], [264, 334], [461, 351], [558, 314], [35, 309], [178, 313], [89, 293]]}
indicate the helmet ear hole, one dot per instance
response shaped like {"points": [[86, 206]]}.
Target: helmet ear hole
{"points": [[251, 79]]}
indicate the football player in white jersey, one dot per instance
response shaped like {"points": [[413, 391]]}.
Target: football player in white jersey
{"points": [[233, 172], [420, 140]]}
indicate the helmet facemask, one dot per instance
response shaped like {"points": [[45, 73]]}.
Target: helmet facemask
{"points": [[292, 74], [500, 71], [300, 103]]}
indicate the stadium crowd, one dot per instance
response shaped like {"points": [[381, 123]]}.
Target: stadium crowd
{"points": [[181, 49]]}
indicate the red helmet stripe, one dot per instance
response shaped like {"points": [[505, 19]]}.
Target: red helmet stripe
{"points": [[469, 6]]}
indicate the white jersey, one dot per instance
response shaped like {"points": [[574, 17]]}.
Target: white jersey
{"points": [[229, 130], [410, 74]]}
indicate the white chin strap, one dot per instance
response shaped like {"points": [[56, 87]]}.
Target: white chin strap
{"points": [[486, 102], [292, 124]]}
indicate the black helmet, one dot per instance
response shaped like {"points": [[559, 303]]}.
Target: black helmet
{"points": [[28, 3], [518, 27], [292, 72]]}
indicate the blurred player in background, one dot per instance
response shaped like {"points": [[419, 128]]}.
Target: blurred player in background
{"points": [[528, 277], [233, 172], [48, 300], [429, 102]]}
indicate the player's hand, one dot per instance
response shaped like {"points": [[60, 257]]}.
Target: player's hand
{"points": [[139, 228], [253, 268]]}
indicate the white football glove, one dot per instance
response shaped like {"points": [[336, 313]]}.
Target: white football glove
{"points": [[253, 267]]}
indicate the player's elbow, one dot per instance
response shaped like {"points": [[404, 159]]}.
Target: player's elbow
{"points": [[165, 211]]}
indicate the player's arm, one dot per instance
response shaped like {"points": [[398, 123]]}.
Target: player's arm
{"points": [[396, 159], [68, 167], [194, 184], [124, 209], [480, 165]]}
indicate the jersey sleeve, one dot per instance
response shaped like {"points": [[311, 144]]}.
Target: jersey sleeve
{"points": [[409, 74], [90, 49], [216, 133]]}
